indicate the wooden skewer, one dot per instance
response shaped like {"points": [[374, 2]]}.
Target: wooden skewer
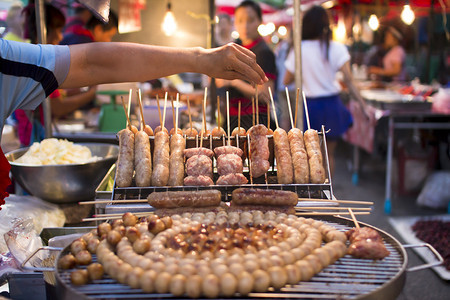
{"points": [[114, 217], [126, 114], [296, 107], [201, 139], [268, 115], [313, 213], [239, 117], [129, 102], [337, 201], [121, 214], [257, 104], [334, 208], [218, 113], [176, 115], [140, 108], [189, 113], [204, 110], [306, 109], [289, 107], [164, 114], [173, 114], [273, 107], [253, 111], [159, 111], [228, 116], [113, 201], [353, 217]]}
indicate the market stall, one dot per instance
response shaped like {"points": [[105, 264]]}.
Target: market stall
{"points": [[402, 112]]}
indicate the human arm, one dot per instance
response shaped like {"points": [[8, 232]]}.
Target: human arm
{"points": [[393, 70], [288, 78], [354, 91], [96, 63], [62, 106]]}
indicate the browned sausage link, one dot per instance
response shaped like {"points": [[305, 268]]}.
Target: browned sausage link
{"points": [[160, 175], [259, 147], [176, 164], [125, 161], [299, 156], [142, 159], [315, 160], [249, 196], [285, 173], [174, 199]]}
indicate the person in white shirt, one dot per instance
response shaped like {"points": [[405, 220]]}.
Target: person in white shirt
{"points": [[321, 60]]}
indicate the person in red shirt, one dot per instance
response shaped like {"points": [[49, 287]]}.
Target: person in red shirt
{"points": [[247, 18]]}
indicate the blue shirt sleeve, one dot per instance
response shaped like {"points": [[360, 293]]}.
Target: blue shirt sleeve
{"points": [[29, 73]]}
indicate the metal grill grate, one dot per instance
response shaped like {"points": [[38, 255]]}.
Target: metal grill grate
{"points": [[348, 278]]}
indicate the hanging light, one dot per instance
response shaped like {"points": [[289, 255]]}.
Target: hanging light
{"points": [[407, 15], [282, 30], [339, 31], [169, 24], [373, 22]]}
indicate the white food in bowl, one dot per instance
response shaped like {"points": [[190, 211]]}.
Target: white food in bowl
{"points": [[56, 152]]}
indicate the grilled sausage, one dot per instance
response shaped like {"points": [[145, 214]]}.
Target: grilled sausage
{"points": [[125, 161], [174, 199], [315, 159], [285, 173], [259, 147], [176, 163], [142, 159], [249, 196], [299, 156], [160, 175]]}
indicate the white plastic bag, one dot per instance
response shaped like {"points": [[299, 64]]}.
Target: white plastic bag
{"points": [[436, 191]]}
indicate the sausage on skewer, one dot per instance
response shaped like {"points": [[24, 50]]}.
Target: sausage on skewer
{"points": [[176, 164], [315, 159], [142, 159], [285, 173], [299, 156], [125, 161], [259, 147], [160, 175]]}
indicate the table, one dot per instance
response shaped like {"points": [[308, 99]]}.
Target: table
{"points": [[362, 134], [399, 120]]}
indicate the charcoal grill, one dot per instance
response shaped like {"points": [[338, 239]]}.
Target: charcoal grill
{"points": [[348, 278]]}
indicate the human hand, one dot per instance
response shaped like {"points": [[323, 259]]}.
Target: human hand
{"points": [[232, 61], [374, 70]]}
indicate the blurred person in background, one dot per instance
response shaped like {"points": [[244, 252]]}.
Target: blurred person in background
{"points": [[76, 23], [388, 63], [15, 22], [30, 123], [223, 30], [247, 18], [94, 31], [322, 58]]}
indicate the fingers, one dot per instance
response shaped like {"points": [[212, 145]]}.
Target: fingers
{"points": [[247, 66]]}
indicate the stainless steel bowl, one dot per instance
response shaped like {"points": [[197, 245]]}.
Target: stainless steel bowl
{"points": [[64, 183]]}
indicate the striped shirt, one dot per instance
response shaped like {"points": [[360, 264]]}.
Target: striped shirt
{"points": [[28, 74]]}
